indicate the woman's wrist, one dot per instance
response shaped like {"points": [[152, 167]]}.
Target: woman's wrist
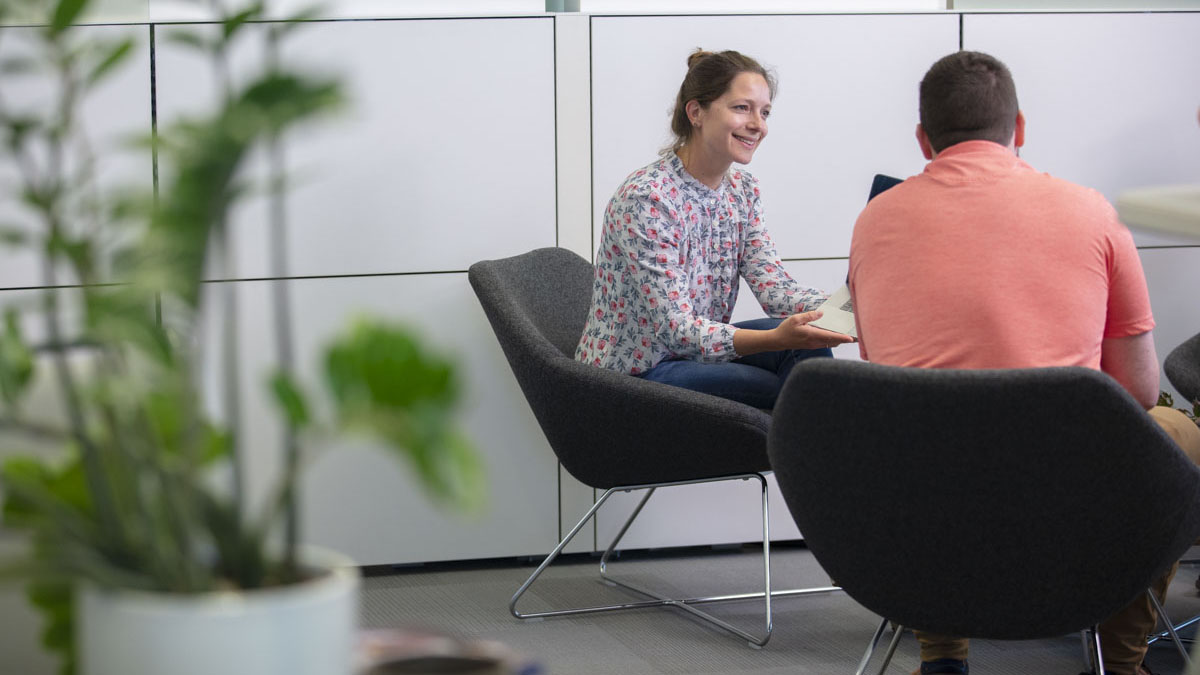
{"points": [[747, 341]]}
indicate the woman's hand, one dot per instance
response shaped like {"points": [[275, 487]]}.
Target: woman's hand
{"points": [[795, 333], [792, 333]]}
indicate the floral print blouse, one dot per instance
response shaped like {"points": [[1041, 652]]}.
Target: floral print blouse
{"points": [[667, 270]]}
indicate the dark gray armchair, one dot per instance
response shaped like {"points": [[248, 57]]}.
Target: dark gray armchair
{"points": [[1182, 367], [995, 504], [613, 431]]}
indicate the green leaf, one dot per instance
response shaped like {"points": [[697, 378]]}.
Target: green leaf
{"points": [[36, 492], [124, 315], [191, 39], [16, 360], [18, 510], [13, 235], [56, 601], [217, 444], [287, 25], [79, 251], [113, 57], [290, 399], [66, 12], [231, 25], [386, 384], [18, 129]]}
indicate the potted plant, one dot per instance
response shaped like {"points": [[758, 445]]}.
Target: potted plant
{"points": [[139, 516]]}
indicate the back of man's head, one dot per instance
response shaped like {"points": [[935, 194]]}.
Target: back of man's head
{"points": [[968, 96]]}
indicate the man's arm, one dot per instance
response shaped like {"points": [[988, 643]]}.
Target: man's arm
{"points": [[1133, 362]]}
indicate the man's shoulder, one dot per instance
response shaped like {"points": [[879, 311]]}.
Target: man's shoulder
{"points": [[1044, 191]]}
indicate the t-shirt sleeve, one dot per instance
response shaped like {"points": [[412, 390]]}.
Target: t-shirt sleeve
{"points": [[1129, 310]]}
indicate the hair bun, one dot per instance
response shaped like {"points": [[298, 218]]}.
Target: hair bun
{"points": [[696, 57]]}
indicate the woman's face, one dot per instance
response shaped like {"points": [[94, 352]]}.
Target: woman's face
{"points": [[733, 126]]}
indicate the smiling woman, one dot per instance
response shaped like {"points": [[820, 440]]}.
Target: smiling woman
{"points": [[680, 233]]}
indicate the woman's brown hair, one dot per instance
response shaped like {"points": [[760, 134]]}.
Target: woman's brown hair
{"points": [[709, 76]]}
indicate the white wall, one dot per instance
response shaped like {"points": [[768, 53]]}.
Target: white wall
{"points": [[452, 124], [473, 138]]}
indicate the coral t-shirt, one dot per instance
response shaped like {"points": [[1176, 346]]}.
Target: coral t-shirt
{"points": [[983, 262]]}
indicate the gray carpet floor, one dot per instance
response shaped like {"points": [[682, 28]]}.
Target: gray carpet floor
{"points": [[812, 635]]}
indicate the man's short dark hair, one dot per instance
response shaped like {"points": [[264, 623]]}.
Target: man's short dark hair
{"points": [[968, 96]]}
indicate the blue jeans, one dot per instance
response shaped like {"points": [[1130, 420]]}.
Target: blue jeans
{"points": [[754, 380]]}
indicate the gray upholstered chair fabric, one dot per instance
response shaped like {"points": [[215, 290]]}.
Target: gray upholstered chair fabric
{"points": [[611, 430], [1183, 368], [1005, 504], [606, 428]]}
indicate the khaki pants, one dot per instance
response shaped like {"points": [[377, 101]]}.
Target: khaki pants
{"points": [[1123, 635]]}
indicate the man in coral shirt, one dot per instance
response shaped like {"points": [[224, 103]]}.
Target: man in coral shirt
{"points": [[982, 262]]}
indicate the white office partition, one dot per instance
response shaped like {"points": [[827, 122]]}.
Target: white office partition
{"points": [[846, 107], [444, 157], [113, 116], [357, 497], [372, 508], [1109, 99], [189, 10], [1173, 274]]}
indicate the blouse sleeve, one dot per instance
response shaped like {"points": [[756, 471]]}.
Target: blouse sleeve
{"points": [[778, 293], [654, 233]]}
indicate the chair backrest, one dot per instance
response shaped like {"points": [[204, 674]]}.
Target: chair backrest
{"points": [[1007, 504], [1183, 368], [607, 428]]}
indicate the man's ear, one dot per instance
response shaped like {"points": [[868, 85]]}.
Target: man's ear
{"points": [[923, 141], [1019, 131]]}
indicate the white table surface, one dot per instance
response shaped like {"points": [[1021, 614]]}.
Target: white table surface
{"points": [[1169, 209]]}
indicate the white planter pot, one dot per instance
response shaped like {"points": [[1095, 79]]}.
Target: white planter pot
{"points": [[304, 629]]}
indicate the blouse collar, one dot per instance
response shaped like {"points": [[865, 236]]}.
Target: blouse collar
{"points": [[689, 181]]}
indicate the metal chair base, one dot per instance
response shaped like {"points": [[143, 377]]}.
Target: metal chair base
{"points": [[1090, 637], [1166, 634], [1172, 629], [897, 631], [655, 599]]}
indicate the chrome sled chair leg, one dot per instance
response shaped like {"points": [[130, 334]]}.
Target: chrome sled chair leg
{"points": [[658, 600]]}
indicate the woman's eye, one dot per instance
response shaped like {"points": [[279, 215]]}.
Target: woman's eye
{"points": [[742, 106], [766, 114]]}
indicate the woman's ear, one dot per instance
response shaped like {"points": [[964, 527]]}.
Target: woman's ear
{"points": [[1019, 131], [693, 112]]}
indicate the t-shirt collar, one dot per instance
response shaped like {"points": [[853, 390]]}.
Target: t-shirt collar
{"points": [[964, 160]]}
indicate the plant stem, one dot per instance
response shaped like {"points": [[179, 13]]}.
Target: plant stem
{"points": [[34, 430], [224, 253], [105, 504], [283, 324]]}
